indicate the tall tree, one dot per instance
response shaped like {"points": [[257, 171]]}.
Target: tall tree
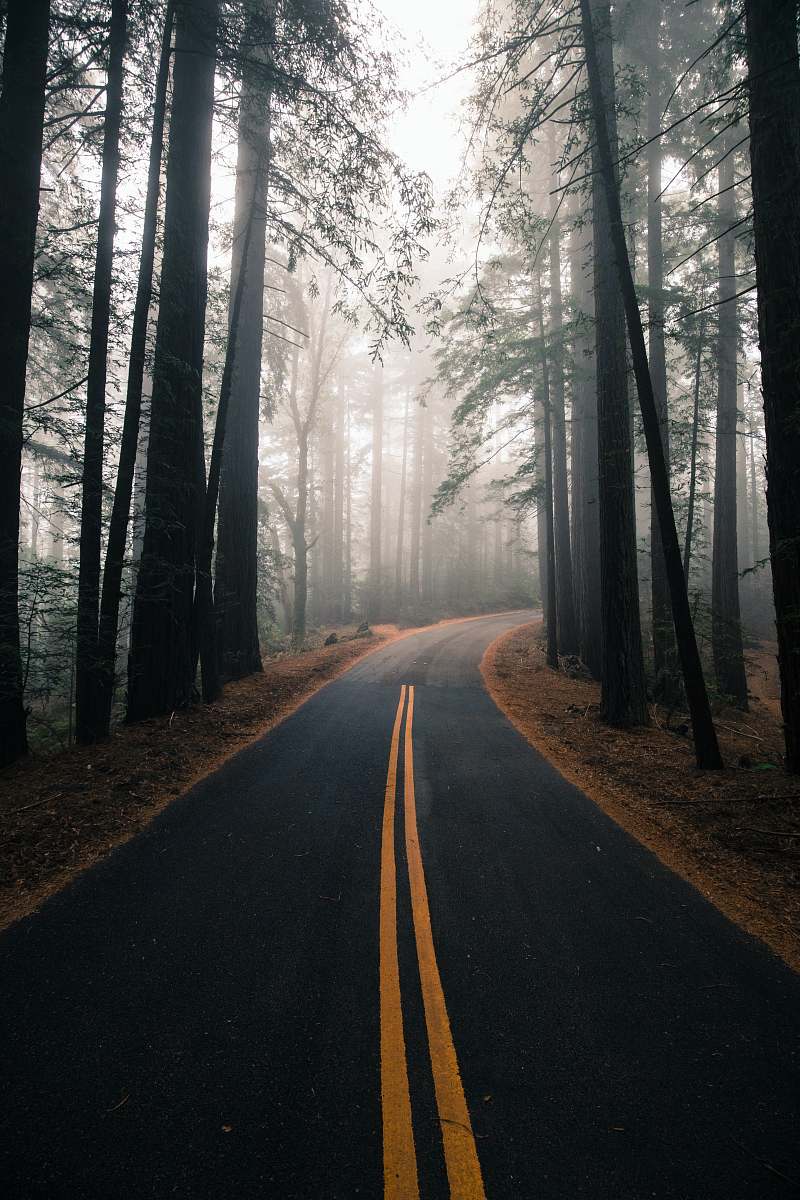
{"points": [[726, 626], [551, 596], [427, 493], [568, 642], [401, 515], [374, 590], [595, 22], [162, 657], [21, 124], [236, 571], [773, 80], [661, 618], [416, 503], [624, 698], [297, 518], [337, 563], [130, 447], [89, 723], [585, 481]]}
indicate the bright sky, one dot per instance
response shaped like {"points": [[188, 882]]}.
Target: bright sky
{"points": [[427, 136]]}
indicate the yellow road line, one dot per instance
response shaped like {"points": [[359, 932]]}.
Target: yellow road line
{"points": [[399, 1155], [460, 1152]]}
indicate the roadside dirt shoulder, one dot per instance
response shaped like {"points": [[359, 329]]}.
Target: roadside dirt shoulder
{"points": [[733, 834], [62, 813]]}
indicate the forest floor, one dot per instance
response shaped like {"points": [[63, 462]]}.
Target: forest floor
{"points": [[733, 834], [61, 813]]}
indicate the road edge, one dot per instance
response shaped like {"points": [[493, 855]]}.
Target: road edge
{"points": [[739, 909]]}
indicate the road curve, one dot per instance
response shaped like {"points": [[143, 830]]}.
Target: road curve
{"points": [[391, 895]]}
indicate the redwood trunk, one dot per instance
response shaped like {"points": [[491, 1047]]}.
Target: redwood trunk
{"points": [[774, 87], [623, 698], [163, 653], [726, 626], [129, 446], [236, 567], [21, 124]]}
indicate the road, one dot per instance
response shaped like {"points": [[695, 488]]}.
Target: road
{"points": [[388, 951]]}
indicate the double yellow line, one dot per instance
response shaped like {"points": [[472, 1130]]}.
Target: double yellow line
{"points": [[399, 1154]]}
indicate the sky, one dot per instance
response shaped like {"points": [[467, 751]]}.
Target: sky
{"points": [[426, 135]]}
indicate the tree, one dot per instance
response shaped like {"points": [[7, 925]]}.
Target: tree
{"points": [[773, 75], [726, 626], [546, 501], [303, 422], [162, 657], [129, 447], [661, 619], [598, 52], [22, 101], [375, 589], [88, 720], [623, 697], [585, 506], [236, 560], [568, 642]]}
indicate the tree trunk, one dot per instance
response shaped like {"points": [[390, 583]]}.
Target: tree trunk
{"points": [[205, 614], [300, 546], [21, 124], [427, 494], [373, 607], [401, 516], [624, 699], [540, 479], [129, 446], [162, 660], [328, 487], [601, 79], [416, 504], [236, 566], [337, 572], [585, 479], [88, 720], [348, 534], [687, 547], [553, 596], [567, 624], [662, 634], [774, 88], [726, 624]]}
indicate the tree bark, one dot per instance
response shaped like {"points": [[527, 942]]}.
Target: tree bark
{"points": [[129, 446], [726, 623], [348, 519], [427, 493], [416, 505], [774, 88], [88, 720], [21, 124], [585, 479], [568, 641], [687, 547], [205, 614], [661, 617], [602, 102], [553, 596], [401, 517], [236, 566], [376, 499], [337, 575], [623, 698], [162, 659]]}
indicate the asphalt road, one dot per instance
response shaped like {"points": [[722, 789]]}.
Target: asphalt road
{"points": [[217, 1010]]}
